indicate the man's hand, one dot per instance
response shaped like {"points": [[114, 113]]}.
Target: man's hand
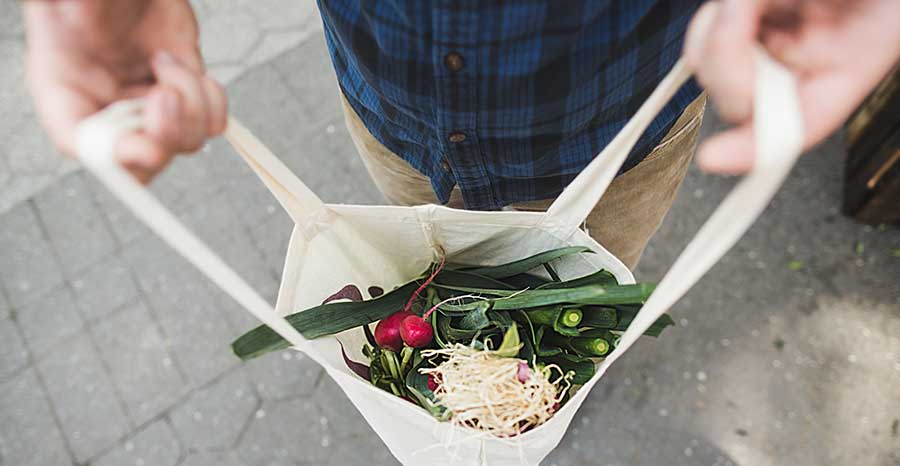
{"points": [[86, 54], [839, 50]]}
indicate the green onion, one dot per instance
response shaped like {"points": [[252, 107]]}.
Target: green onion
{"points": [[599, 317], [524, 265], [628, 313], [583, 346], [571, 316], [544, 315], [601, 277], [325, 319]]}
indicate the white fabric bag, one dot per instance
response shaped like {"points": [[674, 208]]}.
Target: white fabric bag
{"points": [[334, 245]]}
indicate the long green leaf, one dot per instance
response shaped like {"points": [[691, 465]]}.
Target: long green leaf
{"points": [[626, 315], [525, 280], [325, 319], [476, 290], [467, 279], [529, 263], [544, 315], [601, 277], [591, 294], [599, 317]]}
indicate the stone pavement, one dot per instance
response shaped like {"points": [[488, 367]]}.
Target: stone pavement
{"points": [[114, 351], [236, 35]]}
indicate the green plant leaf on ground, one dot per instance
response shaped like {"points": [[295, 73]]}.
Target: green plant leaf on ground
{"points": [[796, 265]]}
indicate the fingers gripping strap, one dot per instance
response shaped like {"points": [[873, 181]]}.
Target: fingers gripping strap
{"points": [[778, 140], [96, 139]]}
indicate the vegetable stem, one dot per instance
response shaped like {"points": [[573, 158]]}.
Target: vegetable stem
{"points": [[571, 317]]}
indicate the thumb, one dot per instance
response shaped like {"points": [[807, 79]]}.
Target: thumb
{"points": [[720, 47]]}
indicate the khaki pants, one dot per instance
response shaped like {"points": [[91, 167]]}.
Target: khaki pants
{"points": [[623, 221]]}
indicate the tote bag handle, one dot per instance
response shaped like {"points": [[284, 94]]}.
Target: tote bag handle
{"points": [[96, 139], [778, 138]]}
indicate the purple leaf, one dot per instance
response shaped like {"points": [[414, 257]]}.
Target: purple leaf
{"points": [[376, 291], [350, 292], [359, 368]]}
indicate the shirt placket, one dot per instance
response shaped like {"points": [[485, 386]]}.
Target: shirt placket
{"points": [[455, 60]]}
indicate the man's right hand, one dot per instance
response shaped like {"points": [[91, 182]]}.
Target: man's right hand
{"points": [[84, 55]]}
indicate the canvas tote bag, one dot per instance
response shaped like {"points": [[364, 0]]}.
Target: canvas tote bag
{"points": [[334, 245]]}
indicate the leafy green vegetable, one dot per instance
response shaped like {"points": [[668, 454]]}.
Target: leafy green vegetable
{"points": [[589, 346], [417, 384], [325, 319], [476, 319], [525, 280], [529, 263], [544, 315], [628, 313], [553, 275], [581, 368], [601, 277], [599, 317], [510, 346], [465, 279]]}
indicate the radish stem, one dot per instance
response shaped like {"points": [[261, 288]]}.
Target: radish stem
{"points": [[427, 282]]}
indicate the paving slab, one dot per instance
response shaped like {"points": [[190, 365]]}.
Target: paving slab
{"points": [[196, 332], [144, 372], [83, 398], [48, 322], [30, 266], [29, 435], [13, 352], [285, 375], [5, 310], [11, 23], [154, 445], [104, 287], [213, 417], [227, 458], [287, 432], [76, 228]]}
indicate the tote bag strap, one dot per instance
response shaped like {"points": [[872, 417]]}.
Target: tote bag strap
{"points": [[778, 140], [571, 208], [96, 139]]}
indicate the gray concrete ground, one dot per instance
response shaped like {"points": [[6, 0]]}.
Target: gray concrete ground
{"points": [[114, 352]]}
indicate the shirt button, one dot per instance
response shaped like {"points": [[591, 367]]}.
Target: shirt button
{"points": [[454, 61], [457, 137]]}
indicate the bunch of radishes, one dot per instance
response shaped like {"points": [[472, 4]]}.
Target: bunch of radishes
{"points": [[403, 327]]}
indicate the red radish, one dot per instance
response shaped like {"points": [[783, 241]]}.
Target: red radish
{"points": [[387, 332], [524, 372], [433, 383], [416, 331]]}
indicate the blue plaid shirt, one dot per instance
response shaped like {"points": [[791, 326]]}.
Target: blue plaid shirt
{"points": [[509, 100]]}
